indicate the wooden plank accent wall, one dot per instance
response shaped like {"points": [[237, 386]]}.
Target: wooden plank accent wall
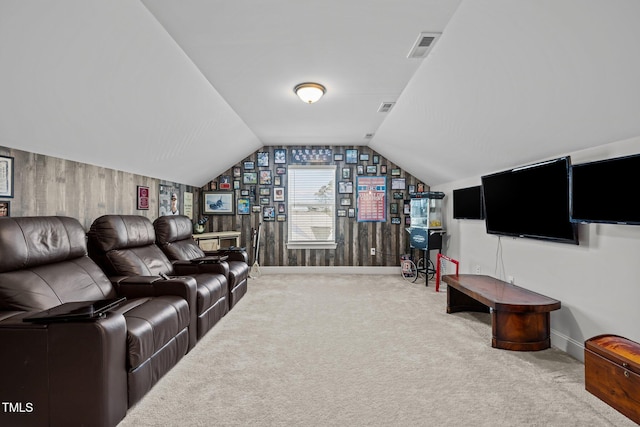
{"points": [[45, 185], [353, 239]]}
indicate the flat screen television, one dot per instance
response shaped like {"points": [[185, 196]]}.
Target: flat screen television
{"points": [[530, 201], [467, 203], [604, 191]]}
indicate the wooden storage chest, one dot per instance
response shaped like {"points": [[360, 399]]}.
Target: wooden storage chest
{"points": [[612, 372]]}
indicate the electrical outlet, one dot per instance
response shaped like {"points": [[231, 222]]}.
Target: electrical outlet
{"points": [[511, 279], [373, 251], [478, 270]]}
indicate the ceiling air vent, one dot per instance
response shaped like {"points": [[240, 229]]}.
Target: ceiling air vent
{"points": [[385, 107], [423, 45], [369, 135]]}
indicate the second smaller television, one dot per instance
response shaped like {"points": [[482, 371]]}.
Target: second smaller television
{"points": [[467, 203], [605, 191]]}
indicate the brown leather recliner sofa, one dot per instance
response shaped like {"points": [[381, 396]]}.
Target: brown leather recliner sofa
{"points": [[80, 372], [124, 247], [174, 235]]}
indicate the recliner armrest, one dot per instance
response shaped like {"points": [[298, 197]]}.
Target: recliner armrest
{"points": [[233, 255], [151, 286], [71, 373], [190, 268]]}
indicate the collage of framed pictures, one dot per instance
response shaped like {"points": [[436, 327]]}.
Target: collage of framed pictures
{"points": [[260, 184]]}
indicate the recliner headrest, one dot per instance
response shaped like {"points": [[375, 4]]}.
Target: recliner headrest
{"points": [[111, 232], [27, 242], [172, 228]]}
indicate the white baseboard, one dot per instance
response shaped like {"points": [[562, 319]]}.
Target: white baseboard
{"points": [[568, 345], [330, 270]]}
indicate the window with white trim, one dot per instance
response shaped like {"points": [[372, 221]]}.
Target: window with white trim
{"points": [[311, 206]]}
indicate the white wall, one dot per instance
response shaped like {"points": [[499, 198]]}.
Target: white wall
{"points": [[598, 281]]}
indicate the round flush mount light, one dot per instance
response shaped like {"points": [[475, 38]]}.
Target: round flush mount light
{"points": [[309, 92]]}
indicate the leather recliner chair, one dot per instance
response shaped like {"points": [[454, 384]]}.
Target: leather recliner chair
{"points": [[175, 238], [124, 247], [79, 372]]}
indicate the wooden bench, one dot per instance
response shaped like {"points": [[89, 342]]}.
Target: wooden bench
{"points": [[520, 318]]}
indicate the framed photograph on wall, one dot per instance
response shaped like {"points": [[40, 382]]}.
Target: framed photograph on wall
{"points": [[268, 213], [143, 197], [338, 157], [345, 187], [398, 184], [351, 156], [5, 208], [279, 155], [364, 157], [263, 159], [281, 217], [342, 212], [281, 170], [6, 176], [351, 212], [265, 177], [278, 194], [372, 169], [218, 203], [250, 178], [249, 165], [244, 206], [383, 169]]}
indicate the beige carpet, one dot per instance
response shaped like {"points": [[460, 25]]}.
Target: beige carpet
{"points": [[363, 350]]}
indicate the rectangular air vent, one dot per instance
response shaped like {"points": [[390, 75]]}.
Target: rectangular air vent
{"points": [[385, 107], [423, 45], [368, 135]]}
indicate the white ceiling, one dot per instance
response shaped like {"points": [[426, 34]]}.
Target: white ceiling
{"points": [[182, 90]]}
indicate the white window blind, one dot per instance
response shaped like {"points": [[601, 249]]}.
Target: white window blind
{"points": [[311, 205]]}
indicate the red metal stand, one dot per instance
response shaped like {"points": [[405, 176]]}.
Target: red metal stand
{"points": [[438, 268]]}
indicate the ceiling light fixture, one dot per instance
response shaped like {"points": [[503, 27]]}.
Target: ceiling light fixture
{"points": [[309, 92]]}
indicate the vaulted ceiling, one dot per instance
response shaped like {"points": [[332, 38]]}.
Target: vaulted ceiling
{"points": [[182, 90]]}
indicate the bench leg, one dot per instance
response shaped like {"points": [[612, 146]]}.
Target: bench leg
{"points": [[458, 301], [521, 331]]}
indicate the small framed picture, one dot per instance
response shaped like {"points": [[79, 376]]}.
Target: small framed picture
{"points": [[244, 193], [338, 157], [407, 207], [281, 208], [351, 156], [398, 195], [265, 191], [236, 184], [345, 201], [346, 173], [407, 220], [281, 217], [281, 170], [243, 206], [6, 176], [364, 157], [412, 188], [268, 213], [342, 212], [218, 203], [345, 187], [393, 208], [376, 159], [250, 178], [256, 208], [249, 166], [225, 182], [383, 169], [278, 194], [5, 208], [265, 177], [265, 200], [277, 180], [236, 172], [213, 185], [395, 172], [398, 184], [279, 155], [395, 220], [351, 212], [143, 198], [360, 169], [420, 187], [372, 169], [263, 159]]}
